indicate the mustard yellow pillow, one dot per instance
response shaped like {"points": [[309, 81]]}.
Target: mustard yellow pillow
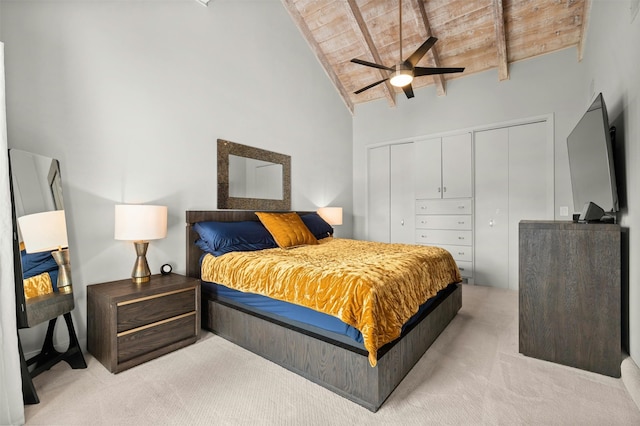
{"points": [[287, 229]]}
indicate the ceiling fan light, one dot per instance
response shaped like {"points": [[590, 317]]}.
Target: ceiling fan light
{"points": [[401, 78]]}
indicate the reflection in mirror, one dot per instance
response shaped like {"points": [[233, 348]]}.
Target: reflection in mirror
{"points": [[252, 179], [42, 234]]}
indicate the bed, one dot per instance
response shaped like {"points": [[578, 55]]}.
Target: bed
{"points": [[346, 366]]}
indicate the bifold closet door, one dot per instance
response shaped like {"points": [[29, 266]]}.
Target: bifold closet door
{"points": [[513, 182], [403, 200], [492, 208], [378, 197]]}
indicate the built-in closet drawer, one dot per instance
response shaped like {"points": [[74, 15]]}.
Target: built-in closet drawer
{"points": [[462, 222], [452, 206], [438, 237], [459, 253]]}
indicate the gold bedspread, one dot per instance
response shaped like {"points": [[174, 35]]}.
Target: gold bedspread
{"points": [[375, 287]]}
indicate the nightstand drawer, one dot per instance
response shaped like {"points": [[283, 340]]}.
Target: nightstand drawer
{"points": [[145, 339], [147, 310]]}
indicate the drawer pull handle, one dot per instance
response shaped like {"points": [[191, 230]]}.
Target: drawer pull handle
{"points": [[461, 222], [445, 189], [423, 207], [461, 207], [461, 253], [462, 269], [438, 189], [461, 238]]}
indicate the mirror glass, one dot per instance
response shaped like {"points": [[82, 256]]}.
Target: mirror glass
{"points": [[251, 178], [43, 267]]}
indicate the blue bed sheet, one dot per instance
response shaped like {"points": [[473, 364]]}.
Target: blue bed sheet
{"points": [[296, 313]]}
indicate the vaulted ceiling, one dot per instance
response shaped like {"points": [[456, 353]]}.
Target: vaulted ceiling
{"points": [[478, 35]]}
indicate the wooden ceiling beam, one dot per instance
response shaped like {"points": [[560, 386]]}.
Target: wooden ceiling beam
{"points": [[584, 22], [501, 40], [356, 15], [438, 79], [317, 50]]}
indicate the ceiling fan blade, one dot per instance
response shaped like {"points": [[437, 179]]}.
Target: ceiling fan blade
{"points": [[418, 71], [370, 86], [419, 53], [408, 90], [370, 64]]}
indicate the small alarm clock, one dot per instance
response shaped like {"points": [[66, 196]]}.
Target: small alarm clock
{"points": [[166, 269]]}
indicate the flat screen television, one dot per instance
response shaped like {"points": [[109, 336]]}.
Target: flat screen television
{"points": [[591, 165]]}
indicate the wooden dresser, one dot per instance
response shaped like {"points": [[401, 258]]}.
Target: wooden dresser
{"points": [[570, 294], [128, 324]]}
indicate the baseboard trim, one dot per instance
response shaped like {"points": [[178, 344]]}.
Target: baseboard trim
{"points": [[631, 379]]}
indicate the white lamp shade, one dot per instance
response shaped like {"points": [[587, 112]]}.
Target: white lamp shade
{"points": [[137, 222], [44, 231], [331, 215]]}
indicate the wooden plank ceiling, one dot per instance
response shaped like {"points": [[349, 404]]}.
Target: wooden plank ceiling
{"points": [[478, 35]]}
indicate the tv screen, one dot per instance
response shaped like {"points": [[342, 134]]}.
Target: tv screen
{"points": [[591, 165]]}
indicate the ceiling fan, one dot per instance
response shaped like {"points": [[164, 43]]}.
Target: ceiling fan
{"points": [[405, 71]]}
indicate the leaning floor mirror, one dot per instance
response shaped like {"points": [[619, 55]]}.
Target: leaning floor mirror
{"points": [[43, 279]]}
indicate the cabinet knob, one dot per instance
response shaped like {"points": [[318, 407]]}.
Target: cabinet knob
{"points": [[438, 189], [402, 222], [445, 189], [491, 223]]}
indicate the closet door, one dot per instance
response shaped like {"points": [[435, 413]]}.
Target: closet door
{"points": [[428, 172], [402, 193], [378, 194], [530, 185], [456, 166], [492, 208], [514, 181]]}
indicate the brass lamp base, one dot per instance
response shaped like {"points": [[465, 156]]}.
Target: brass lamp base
{"points": [[141, 273], [64, 270]]}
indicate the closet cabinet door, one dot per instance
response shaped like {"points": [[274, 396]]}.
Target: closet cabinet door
{"points": [[443, 167], [456, 166], [378, 195], [428, 169], [402, 193]]}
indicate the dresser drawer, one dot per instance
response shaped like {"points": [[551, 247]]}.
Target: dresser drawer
{"points": [[145, 339], [454, 206], [150, 309], [464, 253], [437, 237], [424, 221], [466, 269]]}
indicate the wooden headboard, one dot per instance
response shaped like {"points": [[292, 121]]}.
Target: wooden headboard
{"points": [[195, 216]]}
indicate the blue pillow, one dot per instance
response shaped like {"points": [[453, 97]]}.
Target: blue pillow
{"points": [[219, 238], [317, 225]]}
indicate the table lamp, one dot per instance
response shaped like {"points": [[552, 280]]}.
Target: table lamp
{"points": [[331, 215], [47, 231], [140, 223]]}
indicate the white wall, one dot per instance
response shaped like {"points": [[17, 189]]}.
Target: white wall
{"points": [[131, 96], [612, 60]]}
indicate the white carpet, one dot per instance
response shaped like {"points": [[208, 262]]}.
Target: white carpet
{"points": [[472, 375]]}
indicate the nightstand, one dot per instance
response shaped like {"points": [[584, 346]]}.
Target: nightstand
{"points": [[128, 324]]}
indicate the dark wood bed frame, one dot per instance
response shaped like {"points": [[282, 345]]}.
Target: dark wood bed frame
{"points": [[337, 367]]}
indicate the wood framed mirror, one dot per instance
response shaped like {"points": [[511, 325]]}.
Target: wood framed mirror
{"points": [[251, 178]]}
